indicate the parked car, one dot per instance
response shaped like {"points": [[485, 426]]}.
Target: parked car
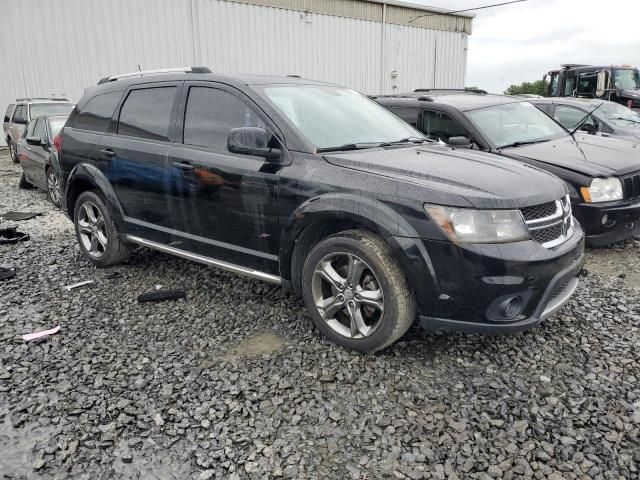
{"points": [[602, 174], [37, 152], [321, 190], [609, 119], [23, 111]]}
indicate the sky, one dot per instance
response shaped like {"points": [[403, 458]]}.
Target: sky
{"points": [[521, 42]]}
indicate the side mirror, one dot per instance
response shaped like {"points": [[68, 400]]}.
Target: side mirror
{"points": [[459, 141], [588, 127], [251, 141], [34, 140], [601, 85]]}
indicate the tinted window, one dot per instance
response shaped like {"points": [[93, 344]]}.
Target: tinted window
{"points": [[96, 113], [41, 109], [569, 117], [28, 132], [569, 86], [146, 113], [440, 126], [19, 114], [587, 84], [7, 114], [211, 113], [409, 115], [40, 130]]}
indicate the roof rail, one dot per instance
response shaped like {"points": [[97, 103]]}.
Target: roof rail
{"points": [[158, 71], [463, 90], [28, 99]]}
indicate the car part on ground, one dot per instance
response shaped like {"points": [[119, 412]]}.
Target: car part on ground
{"points": [[270, 177], [515, 129], [162, 295], [12, 235]]}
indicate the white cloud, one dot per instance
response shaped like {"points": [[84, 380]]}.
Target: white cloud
{"points": [[522, 41]]}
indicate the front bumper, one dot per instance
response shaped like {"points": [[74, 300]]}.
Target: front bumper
{"points": [[610, 222], [473, 282]]}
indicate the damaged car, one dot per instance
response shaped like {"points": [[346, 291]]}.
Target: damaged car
{"points": [[317, 188]]}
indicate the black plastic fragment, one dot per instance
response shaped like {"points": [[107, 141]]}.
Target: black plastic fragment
{"points": [[7, 273], [12, 235], [161, 295], [19, 216]]}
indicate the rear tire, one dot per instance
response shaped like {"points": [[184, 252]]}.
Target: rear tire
{"points": [[24, 183], [12, 152], [97, 233], [356, 293]]}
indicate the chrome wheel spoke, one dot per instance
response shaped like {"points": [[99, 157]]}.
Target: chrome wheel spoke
{"points": [[357, 325], [329, 273], [84, 227], [102, 240], [356, 269], [330, 306], [94, 243], [91, 214]]}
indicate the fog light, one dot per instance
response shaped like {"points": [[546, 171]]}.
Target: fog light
{"points": [[511, 307], [605, 219]]}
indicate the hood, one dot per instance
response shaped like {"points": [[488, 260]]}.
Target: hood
{"points": [[591, 155], [631, 134], [456, 177]]}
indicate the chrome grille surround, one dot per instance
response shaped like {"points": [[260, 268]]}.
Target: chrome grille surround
{"points": [[553, 229]]}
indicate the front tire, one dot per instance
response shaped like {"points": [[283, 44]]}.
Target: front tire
{"points": [[53, 186], [356, 293], [97, 233]]}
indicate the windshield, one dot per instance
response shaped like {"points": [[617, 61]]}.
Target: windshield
{"points": [[333, 116], [40, 109], [619, 114], [626, 79], [513, 123], [56, 125]]}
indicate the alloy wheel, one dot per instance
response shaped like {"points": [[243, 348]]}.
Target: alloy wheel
{"points": [[93, 230], [348, 295], [53, 184]]}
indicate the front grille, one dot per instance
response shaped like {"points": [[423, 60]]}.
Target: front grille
{"points": [[539, 211], [631, 185], [550, 223]]}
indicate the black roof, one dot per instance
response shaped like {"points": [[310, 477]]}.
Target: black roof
{"points": [[461, 100]]}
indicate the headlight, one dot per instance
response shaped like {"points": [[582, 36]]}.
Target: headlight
{"points": [[602, 190], [466, 225]]}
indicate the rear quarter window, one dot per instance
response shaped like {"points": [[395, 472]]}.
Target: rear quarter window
{"points": [[97, 112], [7, 114]]}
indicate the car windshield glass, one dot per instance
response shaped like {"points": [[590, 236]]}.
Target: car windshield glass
{"points": [[56, 125], [40, 109], [626, 79], [333, 116], [514, 123], [619, 114]]}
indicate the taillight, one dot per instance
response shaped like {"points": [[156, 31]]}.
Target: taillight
{"points": [[57, 142]]}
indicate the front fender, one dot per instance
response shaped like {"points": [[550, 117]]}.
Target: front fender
{"points": [[86, 176], [374, 215]]}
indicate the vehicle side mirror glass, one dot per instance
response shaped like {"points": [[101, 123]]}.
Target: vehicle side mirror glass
{"points": [[601, 85], [252, 141], [459, 141], [34, 140], [588, 127]]}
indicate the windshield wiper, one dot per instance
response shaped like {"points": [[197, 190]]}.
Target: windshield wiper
{"points": [[348, 146], [521, 142], [405, 140], [584, 119]]}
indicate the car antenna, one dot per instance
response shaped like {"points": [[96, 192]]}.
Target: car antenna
{"points": [[584, 119]]}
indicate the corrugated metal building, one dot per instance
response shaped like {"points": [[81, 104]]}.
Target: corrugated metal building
{"points": [[58, 47]]}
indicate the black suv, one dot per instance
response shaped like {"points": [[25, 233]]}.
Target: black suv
{"points": [[318, 188], [602, 174]]}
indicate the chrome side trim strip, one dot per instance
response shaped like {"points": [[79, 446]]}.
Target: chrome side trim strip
{"points": [[265, 277], [557, 303]]}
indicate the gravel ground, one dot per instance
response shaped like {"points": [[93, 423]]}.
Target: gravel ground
{"points": [[235, 383]]}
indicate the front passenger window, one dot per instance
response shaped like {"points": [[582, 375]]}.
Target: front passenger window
{"points": [[210, 115], [569, 117], [440, 126]]}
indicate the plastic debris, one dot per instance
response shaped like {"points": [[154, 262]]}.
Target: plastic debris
{"points": [[161, 295], [79, 284], [19, 216], [44, 333], [7, 273], [12, 235]]}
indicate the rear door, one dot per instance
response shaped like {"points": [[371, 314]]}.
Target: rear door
{"points": [[7, 117], [18, 123], [134, 156], [23, 149], [38, 153], [227, 203]]}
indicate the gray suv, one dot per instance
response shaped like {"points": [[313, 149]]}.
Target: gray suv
{"points": [[20, 113]]}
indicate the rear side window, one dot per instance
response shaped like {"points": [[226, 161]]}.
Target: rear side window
{"points": [[97, 112], [211, 113], [439, 126], [42, 109], [146, 113], [7, 114], [20, 114], [28, 132], [409, 115]]}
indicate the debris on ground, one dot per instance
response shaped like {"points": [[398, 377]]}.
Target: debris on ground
{"points": [[79, 284], [7, 273], [161, 295], [41, 334], [12, 235], [19, 216]]}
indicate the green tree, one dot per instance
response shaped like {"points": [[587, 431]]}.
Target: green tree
{"points": [[539, 87]]}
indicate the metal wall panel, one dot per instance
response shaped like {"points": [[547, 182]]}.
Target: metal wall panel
{"points": [[70, 44]]}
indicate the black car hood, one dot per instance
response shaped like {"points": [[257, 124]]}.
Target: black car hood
{"points": [[456, 177], [587, 154]]}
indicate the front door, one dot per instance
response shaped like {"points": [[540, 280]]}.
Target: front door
{"points": [[227, 203], [134, 157]]}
